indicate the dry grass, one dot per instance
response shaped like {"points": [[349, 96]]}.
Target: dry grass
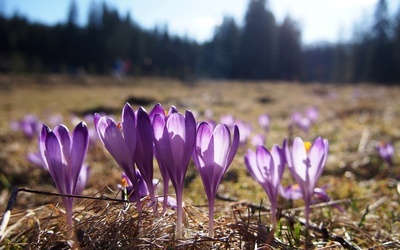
{"points": [[352, 118]]}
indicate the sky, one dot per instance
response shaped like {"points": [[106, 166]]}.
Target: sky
{"points": [[319, 20]]}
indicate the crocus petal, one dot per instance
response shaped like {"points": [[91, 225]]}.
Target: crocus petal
{"points": [[64, 137], [116, 146], [42, 143], [222, 141], [175, 127], [190, 137], [251, 164], [316, 156], [130, 129], [80, 143], [299, 160], [235, 145], [157, 109], [279, 164], [54, 160], [144, 148]]}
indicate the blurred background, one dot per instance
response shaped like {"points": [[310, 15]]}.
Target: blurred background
{"points": [[288, 40]]}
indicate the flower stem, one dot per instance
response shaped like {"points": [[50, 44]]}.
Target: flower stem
{"points": [[211, 217], [179, 209]]}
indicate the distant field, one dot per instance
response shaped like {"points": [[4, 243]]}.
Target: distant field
{"points": [[354, 118]]}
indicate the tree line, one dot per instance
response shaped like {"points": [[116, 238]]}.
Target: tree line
{"points": [[262, 49]]}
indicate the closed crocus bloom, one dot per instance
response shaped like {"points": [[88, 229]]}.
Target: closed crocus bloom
{"points": [[266, 167], [264, 120], [386, 152], [312, 114], [174, 139], [159, 110], [306, 162], [121, 147], [212, 155], [64, 154]]}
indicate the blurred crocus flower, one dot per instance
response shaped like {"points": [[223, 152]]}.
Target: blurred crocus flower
{"points": [[245, 130], [306, 162], [129, 189], [174, 139], [82, 179], [312, 114], [64, 154], [291, 192], [121, 147], [228, 120], [386, 152], [264, 120], [208, 113], [37, 159], [300, 121], [266, 167], [212, 155], [258, 140], [29, 125]]}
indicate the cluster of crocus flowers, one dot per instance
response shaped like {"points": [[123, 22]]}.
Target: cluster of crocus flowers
{"points": [[305, 161], [212, 155], [63, 154]]}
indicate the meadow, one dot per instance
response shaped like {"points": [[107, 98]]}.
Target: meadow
{"points": [[364, 207]]}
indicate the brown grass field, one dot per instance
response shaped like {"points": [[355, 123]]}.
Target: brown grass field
{"points": [[354, 118]]}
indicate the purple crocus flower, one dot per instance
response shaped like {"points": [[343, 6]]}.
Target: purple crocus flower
{"points": [[266, 167], [386, 152], [212, 155], [245, 130], [293, 192], [29, 125], [37, 159], [64, 154], [258, 140], [174, 141], [300, 121], [145, 151], [306, 163], [121, 148], [264, 120], [228, 120], [312, 114], [159, 110]]}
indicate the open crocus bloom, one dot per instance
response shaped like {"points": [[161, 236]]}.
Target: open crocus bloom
{"points": [[306, 163], [212, 155], [266, 167], [64, 154]]}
